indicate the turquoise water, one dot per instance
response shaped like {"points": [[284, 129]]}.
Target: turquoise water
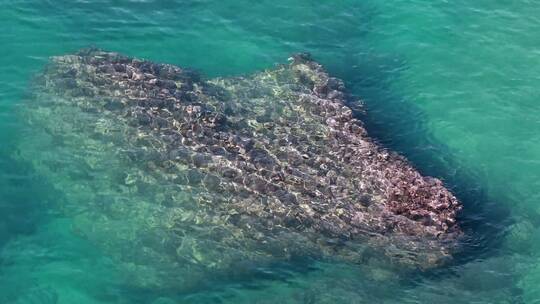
{"points": [[451, 85]]}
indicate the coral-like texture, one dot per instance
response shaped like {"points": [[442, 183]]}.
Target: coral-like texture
{"points": [[203, 175]]}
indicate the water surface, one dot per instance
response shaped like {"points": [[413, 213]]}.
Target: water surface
{"points": [[451, 85]]}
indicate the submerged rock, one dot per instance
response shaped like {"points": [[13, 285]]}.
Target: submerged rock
{"points": [[179, 172]]}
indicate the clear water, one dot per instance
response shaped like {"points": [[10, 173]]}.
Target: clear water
{"points": [[451, 85]]}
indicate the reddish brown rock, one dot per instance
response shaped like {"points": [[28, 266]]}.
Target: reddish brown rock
{"points": [[273, 164]]}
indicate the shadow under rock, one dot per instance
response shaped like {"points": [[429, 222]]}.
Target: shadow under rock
{"points": [[400, 126]]}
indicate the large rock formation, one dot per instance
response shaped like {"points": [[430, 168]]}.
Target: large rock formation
{"points": [[177, 176]]}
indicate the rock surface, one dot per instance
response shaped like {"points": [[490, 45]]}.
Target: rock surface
{"points": [[228, 170]]}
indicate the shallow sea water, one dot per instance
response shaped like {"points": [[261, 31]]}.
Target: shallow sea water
{"points": [[451, 85]]}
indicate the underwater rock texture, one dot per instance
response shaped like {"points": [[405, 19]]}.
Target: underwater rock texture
{"points": [[177, 176]]}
